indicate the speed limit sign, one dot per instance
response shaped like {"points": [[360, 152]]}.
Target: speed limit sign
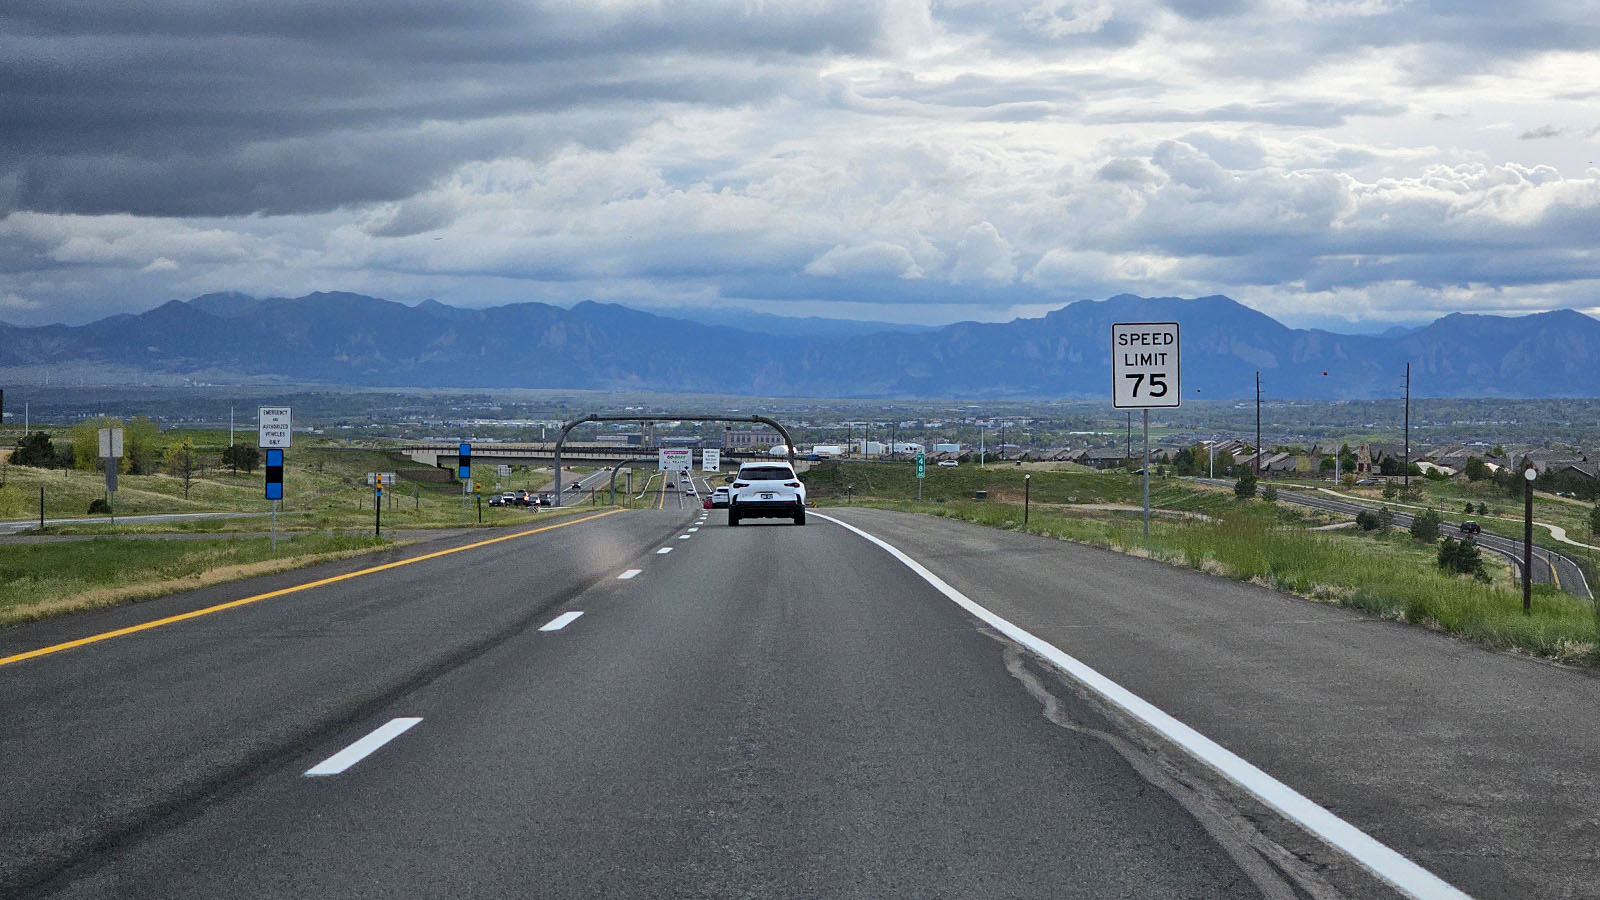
{"points": [[1144, 365]]}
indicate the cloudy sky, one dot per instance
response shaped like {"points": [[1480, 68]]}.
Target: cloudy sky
{"points": [[1346, 163]]}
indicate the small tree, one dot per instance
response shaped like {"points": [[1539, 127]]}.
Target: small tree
{"points": [[1476, 469], [1462, 558], [1385, 519], [244, 457], [1483, 509], [1269, 493], [1389, 490], [1367, 520], [1245, 487], [1425, 526], [1468, 510], [1594, 520], [1348, 479], [180, 460], [37, 450]]}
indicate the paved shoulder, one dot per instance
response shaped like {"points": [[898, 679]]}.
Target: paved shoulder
{"points": [[1475, 764]]}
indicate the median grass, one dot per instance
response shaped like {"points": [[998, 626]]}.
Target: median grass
{"points": [[324, 487], [1390, 575], [42, 580]]}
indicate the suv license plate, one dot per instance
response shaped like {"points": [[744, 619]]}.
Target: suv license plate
{"points": [[766, 495]]}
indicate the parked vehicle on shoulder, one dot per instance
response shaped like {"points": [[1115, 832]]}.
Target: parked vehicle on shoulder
{"points": [[766, 490]]}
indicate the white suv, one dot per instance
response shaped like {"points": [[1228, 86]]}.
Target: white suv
{"points": [[766, 490]]}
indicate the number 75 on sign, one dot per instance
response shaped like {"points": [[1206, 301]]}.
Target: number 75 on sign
{"points": [[1144, 365]]}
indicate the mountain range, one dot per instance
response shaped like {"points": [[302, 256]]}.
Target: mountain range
{"points": [[351, 339]]}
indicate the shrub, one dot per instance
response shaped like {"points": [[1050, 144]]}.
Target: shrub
{"points": [[1367, 520], [1245, 487], [1389, 490], [1594, 520], [1468, 510], [99, 505], [1462, 558], [36, 449], [1483, 509], [1269, 493], [1425, 526]]}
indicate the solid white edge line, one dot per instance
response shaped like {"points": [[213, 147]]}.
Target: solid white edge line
{"points": [[1382, 861], [631, 573], [561, 621], [363, 748]]}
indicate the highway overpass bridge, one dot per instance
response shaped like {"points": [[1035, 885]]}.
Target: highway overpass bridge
{"points": [[542, 453]]}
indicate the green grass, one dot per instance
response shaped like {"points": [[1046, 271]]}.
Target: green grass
{"points": [[324, 487], [1390, 575], [40, 580]]}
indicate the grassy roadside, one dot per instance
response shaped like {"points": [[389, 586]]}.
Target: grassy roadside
{"points": [[42, 580], [1389, 575]]}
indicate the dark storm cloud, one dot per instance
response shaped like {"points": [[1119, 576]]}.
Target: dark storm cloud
{"points": [[180, 108]]}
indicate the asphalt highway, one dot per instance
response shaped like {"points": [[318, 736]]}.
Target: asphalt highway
{"points": [[632, 704], [1549, 567]]}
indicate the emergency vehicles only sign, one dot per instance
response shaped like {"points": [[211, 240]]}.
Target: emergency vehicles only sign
{"points": [[1144, 365]]}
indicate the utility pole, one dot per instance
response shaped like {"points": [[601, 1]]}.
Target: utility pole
{"points": [[233, 456], [1258, 424], [1407, 470]]}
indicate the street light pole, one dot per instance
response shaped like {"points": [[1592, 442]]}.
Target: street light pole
{"points": [[1258, 424], [1528, 475]]}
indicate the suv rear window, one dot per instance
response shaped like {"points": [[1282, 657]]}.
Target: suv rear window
{"points": [[766, 473]]}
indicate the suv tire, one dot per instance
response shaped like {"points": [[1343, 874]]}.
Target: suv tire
{"points": [[733, 516], [800, 516]]}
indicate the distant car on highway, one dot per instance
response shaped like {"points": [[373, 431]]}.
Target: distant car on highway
{"points": [[719, 497], [1471, 527], [766, 490], [497, 500]]}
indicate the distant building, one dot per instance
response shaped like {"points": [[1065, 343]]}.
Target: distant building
{"points": [[745, 440], [947, 447]]}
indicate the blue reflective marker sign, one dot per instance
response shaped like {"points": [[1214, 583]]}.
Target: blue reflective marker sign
{"points": [[464, 467], [274, 474]]}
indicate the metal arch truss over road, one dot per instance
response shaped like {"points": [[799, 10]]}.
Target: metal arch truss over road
{"points": [[788, 442]]}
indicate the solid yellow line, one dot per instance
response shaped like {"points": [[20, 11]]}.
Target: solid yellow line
{"points": [[194, 614]]}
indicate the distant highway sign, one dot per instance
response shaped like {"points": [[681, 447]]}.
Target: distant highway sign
{"points": [[710, 460], [675, 459], [1144, 365]]}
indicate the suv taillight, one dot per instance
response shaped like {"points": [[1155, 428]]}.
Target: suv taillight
{"points": [[791, 484], [740, 484]]}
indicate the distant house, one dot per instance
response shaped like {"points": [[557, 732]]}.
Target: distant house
{"points": [[1428, 468], [1103, 459]]}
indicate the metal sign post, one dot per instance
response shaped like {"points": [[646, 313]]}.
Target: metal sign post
{"points": [[274, 475], [111, 453], [464, 473], [1144, 374]]}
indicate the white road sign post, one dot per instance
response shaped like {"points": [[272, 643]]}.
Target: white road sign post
{"points": [[110, 453], [274, 425], [1144, 374], [675, 459]]}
